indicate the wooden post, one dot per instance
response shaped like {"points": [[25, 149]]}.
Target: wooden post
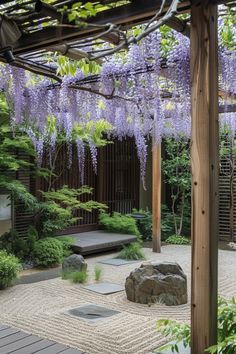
{"points": [[156, 197], [205, 174]]}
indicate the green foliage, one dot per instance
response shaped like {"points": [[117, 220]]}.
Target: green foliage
{"points": [[79, 277], [226, 328], [177, 240], [66, 245], [32, 237], [167, 225], [48, 252], [20, 247], [132, 252], [92, 131], [10, 162], [83, 10], [97, 273], [168, 40], [119, 223], [167, 221], [65, 66], [76, 276], [57, 209], [145, 224], [176, 169], [227, 34], [179, 332], [56, 212], [9, 268], [88, 131]]}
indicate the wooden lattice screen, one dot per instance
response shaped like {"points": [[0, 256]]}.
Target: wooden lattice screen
{"points": [[119, 176], [227, 193], [116, 183], [21, 217]]}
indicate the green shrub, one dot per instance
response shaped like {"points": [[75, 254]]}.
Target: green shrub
{"points": [[132, 252], [9, 268], [144, 225], [31, 239], [66, 244], [22, 248], [180, 332], [76, 277], [167, 225], [97, 273], [177, 240], [119, 223], [167, 221], [48, 252], [226, 328]]}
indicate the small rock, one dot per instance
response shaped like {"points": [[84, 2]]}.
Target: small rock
{"points": [[27, 265], [157, 282], [74, 263]]}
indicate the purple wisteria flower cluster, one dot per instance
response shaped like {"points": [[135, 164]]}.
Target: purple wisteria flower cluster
{"points": [[142, 95]]}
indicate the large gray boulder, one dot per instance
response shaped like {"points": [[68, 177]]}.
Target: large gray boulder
{"points": [[157, 282], [74, 263]]}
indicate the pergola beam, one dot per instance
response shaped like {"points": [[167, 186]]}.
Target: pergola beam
{"points": [[230, 108], [205, 174], [133, 13]]}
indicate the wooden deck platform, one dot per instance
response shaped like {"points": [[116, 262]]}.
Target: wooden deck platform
{"points": [[99, 241], [13, 340]]}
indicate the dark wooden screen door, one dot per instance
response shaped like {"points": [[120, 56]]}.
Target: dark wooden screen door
{"points": [[118, 180], [116, 183]]}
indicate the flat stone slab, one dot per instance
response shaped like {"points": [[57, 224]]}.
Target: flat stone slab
{"points": [[117, 261], [92, 312], [41, 275], [104, 288], [99, 241]]}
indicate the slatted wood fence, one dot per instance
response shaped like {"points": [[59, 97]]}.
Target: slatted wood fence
{"points": [[227, 193], [21, 217], [116, 183]]}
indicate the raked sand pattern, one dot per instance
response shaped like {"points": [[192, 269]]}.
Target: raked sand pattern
{"points": [[40, 308]]}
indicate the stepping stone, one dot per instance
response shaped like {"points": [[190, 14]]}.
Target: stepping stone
{"points": [[92, 312], [104, 288], [117, 261]]}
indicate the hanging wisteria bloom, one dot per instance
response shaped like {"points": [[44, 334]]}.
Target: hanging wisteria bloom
{"points": [[142, 93]]}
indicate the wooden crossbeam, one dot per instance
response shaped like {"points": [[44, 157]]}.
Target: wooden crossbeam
{"points": [[135, 12], [230, 108]]}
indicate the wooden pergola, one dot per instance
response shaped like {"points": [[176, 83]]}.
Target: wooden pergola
{"points": [[29, 51]]}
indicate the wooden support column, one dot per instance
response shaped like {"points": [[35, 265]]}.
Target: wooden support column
{"points": [[205, 174], [156, 197]]}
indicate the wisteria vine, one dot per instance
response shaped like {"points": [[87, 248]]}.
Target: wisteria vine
{"points": [[131, 98]]}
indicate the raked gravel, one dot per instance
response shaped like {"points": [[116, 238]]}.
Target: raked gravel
{"points": [[40, 308]]}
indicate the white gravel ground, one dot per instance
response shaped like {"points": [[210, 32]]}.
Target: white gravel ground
{"points": [[40, 308]]}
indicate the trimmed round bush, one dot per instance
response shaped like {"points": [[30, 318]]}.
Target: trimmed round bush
{"points": [[48, 252], [9, 268]]}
